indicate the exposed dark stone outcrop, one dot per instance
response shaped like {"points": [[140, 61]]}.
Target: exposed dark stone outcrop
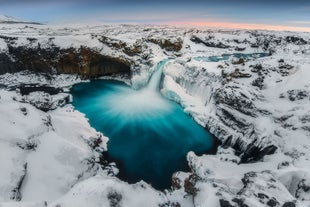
{"points": [[240, 48], [85, 62], [130, 50], [29, 145], [27, 89], [289, 204], [229, 119], [115, 199], [90, 64], [168, 44], [175, 182], [296, 40], [284, 69], [224, 203], [239, 61], [302, 188], [197, 40], [259, 82], [238, 74], [272, 202], [233, 97], [252, 151], [15, 193], [46, 102], [297, 94], [189, 184], [240, 202], [255, 153], [6, 64]]}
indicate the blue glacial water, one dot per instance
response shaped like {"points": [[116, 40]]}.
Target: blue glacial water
{"points": [[227, 56], [149, 135]]}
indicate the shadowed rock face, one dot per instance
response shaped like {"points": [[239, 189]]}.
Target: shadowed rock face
{"points": [[83, 61], [168, 45]]}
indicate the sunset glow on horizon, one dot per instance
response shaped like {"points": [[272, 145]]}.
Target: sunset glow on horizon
{"points": [[241, 26]]}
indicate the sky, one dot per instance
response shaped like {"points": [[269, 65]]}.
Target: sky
{"points": [[276, 14]]}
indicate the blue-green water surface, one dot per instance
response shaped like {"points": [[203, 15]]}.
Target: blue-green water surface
{"points": [[149, 136]]}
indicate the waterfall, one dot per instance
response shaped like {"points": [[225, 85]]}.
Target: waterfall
{"points": [[156, 76]]}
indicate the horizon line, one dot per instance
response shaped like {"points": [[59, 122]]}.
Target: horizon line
{"points": [[239, 26], [199, 24]]}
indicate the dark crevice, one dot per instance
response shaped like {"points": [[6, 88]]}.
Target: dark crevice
{"points": [[85, 62]]}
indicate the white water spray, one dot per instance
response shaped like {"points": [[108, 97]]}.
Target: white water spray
{"points": [[140, 104]]}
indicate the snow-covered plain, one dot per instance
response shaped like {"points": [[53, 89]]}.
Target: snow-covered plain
{"points": [[259, 108]]}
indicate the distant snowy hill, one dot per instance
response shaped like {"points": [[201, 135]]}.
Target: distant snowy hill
{"points": [[12, 20], [5, 18]]}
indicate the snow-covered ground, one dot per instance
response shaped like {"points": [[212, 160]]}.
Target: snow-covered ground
{"points": [[258, 107]]}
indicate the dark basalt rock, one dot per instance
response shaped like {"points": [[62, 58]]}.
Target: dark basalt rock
{"points": [[115, 199], [168, 44], [102, 157], [255, 153], [262, 196], [15, 193], [189, 184], [239, 48], [297, 94], [175, 182], [224, 203], [24, 111], [302, 187], [231, 121], [236, 145], [136, 49], [6, 64], [251, 153], [8, 40], [286, 66], [289, 204], [197, 40], [170, 204], [133, 50], [238, 62], [239, 202], [83, 61], [296, 40], [238, 74], [255, 46], [29, 145], [284, 69], [91, 64], [27, 89], [233, 97], [256, 68], [272, 202], [46, 102], [258, 82]]}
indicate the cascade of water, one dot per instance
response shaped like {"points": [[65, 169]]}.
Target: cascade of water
{"points": [[156, 76]]}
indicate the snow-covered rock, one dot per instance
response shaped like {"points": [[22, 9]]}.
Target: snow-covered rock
{"points": [[42, 154], [258, 107]]}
